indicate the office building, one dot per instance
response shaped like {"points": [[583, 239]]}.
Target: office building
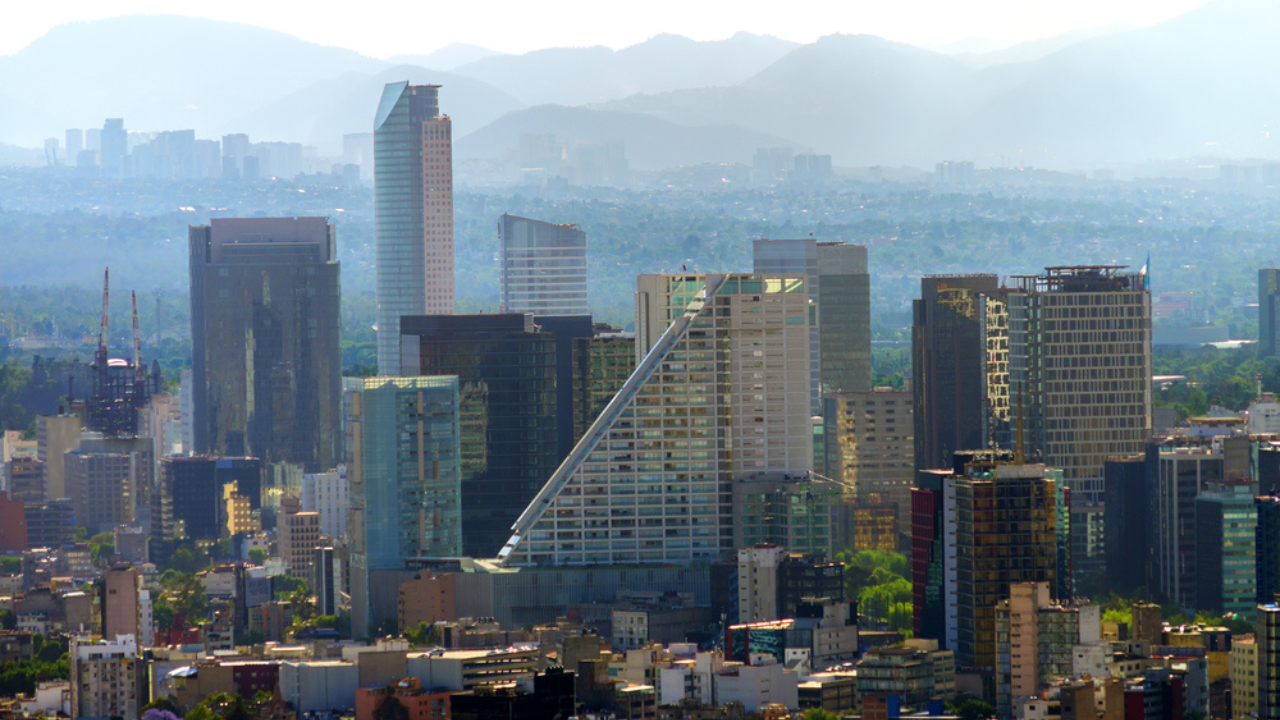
{"points": [[567, 332], [721, 394], [916, 672], [840, 286], [50, 524], [1268, 312], [1267, 635], [1181, 473], [1226, 521], [404, 466], [266, 366], [959, 367], [758, 583], [75, 144], [1267, 547], [1127, 520], [103, 486], [1080, 366], [601, 365], [509, 412], [413, 212], [24, 478], [869, 443], [542, 267]]}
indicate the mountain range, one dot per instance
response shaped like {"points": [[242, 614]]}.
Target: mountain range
{"points": [[1200, 84]]}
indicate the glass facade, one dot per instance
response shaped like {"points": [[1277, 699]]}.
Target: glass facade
{"points": [[601, 365], [266, 361], [509, 412], [542, 267], [1226, 523], [413, 212]]}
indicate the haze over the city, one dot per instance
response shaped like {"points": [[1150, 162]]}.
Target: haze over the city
{"points": [[385, 29]]}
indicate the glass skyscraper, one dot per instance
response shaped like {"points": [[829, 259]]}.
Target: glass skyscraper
{"points": [[265, 359], [542, 267], [413, 212], [403, 465]]}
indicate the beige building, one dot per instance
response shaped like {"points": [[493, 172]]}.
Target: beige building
{"points": [[1080, 366], [870, 446], [102, 487], [1244, 677], [299, 536], [723, 396], [56, 435], [121, 609], [238, 511]]}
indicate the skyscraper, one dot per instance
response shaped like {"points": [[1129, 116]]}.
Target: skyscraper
{"points": [[1268, 312], [404, 469], [869, 446], [413, 212], [506, 370], [115, 148], [542, 267], [721, 394], [840, 286], [266, 366], [1080, 362], [956, 378]]}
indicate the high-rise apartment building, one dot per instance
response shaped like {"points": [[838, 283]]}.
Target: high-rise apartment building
{"points": [[103, 487], [1269, 312], [1080, 365], [56, 435], [509, 413], [413, 212], [959, 367], [120, 602], [1037, 640], [326, 494], [108, 679], [542, 267], [869, 446], [404, 470], [721, 394], [840, 287], [266, 366]]}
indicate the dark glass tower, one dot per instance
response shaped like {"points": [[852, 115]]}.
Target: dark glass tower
{"points": [[509, 414], [949, 367], [191, 492], [266, 363]]}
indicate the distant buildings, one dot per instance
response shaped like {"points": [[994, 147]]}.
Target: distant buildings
{"points": [[266, 366], [413, 205], [542, 267]]}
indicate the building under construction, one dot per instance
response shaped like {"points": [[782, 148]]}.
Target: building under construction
{"points": [[120, 387]]}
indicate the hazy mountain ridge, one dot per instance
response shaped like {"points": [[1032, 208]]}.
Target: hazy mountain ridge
{"points": [[1200, 83]]}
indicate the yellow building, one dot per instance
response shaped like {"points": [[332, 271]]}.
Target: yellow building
{"points": [[1244, 677]]}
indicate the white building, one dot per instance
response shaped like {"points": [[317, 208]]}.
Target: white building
{"points": [[758, 583], [1264, 415], [319, 686], [757, 685], [326, 495]]}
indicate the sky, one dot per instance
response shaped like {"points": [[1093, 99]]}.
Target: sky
{"points": [[383, 28]]}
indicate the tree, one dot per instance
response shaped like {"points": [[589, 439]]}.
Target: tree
{"points": [[819, 714], [391, 709], [8, 620], [971, 708], [257, 556], [186, 595]]}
